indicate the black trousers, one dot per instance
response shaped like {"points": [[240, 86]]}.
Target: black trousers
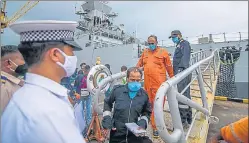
{"points": [[186, 113], [130, 139]]}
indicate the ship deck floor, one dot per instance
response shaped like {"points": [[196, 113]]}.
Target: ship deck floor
{"points": [[227, 112]]}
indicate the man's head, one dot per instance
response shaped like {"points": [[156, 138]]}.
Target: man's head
{"points": [[176, 36], [12, 61], [56, 57], [152, 42], [134, 76], [123, 68], [82, 65], [86, 69], [47, 47], [108, 66]]}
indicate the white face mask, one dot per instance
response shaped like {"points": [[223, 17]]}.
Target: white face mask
{"points": [[70, 63]]}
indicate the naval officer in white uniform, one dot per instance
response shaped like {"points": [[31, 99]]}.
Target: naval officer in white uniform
{"points": [[40, 111]]}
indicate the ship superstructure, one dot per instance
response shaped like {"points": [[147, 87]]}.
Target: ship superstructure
{"points": [[97, 30]]}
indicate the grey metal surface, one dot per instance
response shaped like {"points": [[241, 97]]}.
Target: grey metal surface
{"points": [[227, 112], [128, 54], [202, 89], [92, 5], [241, 75]]}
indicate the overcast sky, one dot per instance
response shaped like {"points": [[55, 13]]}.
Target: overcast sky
{"points": [[159, 18]]}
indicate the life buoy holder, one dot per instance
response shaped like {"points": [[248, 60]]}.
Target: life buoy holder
{"points": [[96, 74]]}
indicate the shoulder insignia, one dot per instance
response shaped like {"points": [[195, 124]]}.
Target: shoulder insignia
{"points": [[3, 79]]}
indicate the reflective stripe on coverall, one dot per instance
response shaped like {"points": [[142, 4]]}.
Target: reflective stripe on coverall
{"points": [[236, 132], [181, 61], [155, 63]]}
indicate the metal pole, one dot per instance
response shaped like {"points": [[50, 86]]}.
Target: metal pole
{"points": [[174, 111], [239, 36], [158, 109], [202, 89], [224, 36]]}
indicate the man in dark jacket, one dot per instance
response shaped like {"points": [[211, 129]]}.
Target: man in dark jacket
{"points": [[181, 61], [131, 105]]}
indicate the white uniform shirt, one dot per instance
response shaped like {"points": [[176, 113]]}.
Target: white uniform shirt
{"points": [[40, 112]]}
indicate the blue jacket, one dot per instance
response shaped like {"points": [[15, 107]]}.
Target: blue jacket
{"points": [[77, 83]]}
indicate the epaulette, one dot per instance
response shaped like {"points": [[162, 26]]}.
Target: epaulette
{"points": [[3, 79]]}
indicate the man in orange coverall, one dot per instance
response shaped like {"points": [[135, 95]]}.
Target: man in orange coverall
{"points": [[155, 62], [236, 132]]}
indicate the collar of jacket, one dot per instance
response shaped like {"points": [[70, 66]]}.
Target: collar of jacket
{"points": [[178, 44]]}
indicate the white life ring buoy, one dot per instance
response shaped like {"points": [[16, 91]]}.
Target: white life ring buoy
{"points": [[96, 74]]}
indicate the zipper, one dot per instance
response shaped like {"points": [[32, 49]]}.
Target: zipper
{"points": [[128, 121]]}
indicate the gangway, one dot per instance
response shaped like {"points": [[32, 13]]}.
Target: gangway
{"points": [[203, 84], [204, 66]]}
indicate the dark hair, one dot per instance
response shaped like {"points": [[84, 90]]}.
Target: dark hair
{"points": [[87, 67], [82, 64], [33, 52], [153, 36], [107, 65], [134, 69], [123, 68], [8, 49]]}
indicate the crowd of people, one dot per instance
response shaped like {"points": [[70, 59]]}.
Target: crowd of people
{"points": [[40, 110]]}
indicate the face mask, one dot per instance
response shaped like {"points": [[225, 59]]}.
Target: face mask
{"points": [[70, 63], [134, 86], [175, 39], [20, 69], [152, 47]]}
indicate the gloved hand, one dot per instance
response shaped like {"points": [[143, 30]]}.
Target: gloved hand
{"points": [[107, 122], [142, 123]]}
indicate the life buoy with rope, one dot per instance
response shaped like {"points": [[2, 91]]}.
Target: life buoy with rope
{"points": [[96, 74]]}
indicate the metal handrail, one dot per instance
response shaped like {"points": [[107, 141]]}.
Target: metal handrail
{"points": [[169, 89], [110, 78], [106, 80]]}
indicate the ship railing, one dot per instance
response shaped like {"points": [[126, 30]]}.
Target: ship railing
{"points": [[195, 57], [169, 89]]}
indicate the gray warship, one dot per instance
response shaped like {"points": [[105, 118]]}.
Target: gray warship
{"points": [[99, 37]]}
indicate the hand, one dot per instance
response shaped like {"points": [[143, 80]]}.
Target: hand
{"points": [[107, 122], [142, 124], [77, 95]]}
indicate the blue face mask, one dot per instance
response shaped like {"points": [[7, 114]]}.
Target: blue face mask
{"points": [[175, 39], [134, 88], [152, 47]]}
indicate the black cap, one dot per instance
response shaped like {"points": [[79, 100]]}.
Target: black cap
{"points": [[175, 33]]}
